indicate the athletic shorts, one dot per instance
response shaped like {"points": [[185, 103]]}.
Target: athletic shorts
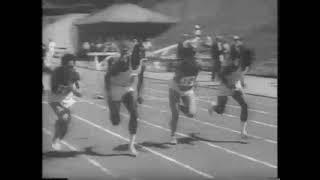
{"points": [[65, 100], [173, 85], [117, 92]]}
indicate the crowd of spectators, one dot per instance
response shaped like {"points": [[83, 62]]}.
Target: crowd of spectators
{"points": [[227, 54]]}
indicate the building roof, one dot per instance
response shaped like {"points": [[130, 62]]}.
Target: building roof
{"points": [[126, 13]]}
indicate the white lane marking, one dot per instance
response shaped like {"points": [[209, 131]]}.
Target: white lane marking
{"points": [[210, 144], [224, 114], [90, 160], [148, 149], [216, 146], [204, 97], [198, 121], [216, 126], [256, 110], [257, 122]]}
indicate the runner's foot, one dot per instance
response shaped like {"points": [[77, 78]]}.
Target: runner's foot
{"points": [[57, 145], [174, 140], [133, 150]]}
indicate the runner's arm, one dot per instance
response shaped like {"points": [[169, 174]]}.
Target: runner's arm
{"points": [[140, 85]]}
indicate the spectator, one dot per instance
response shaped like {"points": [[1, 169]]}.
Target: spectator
{"points": [[99, 46], [197, 30], [50, 50], [92, 47], [86, 46], [85, 49], [243, 55]]}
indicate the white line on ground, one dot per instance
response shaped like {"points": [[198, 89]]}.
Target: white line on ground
{"points": [[210, 144], [257, 122], [255, 110], [205, 97], [146, 148], [216, 146], [198, 121], [224, 114], [90, 160], [216, 126]]}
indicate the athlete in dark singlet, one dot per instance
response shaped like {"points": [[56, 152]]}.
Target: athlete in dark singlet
{"points": [[231, 86], [64, 86], [181, 87], [121, 87]]}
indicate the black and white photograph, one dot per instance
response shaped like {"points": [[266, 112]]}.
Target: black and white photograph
{"points": [[160, 89]]}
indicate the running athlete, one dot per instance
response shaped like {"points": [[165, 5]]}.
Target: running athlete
{"points": [[64, 86], [120, 88], [181, 87], [231, 86]]}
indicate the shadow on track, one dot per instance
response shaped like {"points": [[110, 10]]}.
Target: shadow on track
{"points": [[125, 147], [195, 137], [87, 151]]}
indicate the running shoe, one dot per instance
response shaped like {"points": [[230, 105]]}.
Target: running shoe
{"points": [[57, 145], [133, 150]]}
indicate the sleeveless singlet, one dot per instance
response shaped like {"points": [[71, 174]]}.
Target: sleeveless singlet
{"points": [[124, 82]]}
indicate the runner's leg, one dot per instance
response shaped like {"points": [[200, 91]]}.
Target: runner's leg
{"points": [[238, 96], [174, 98], [114, 110], [130, 103], [189, 108], [220, 106], [61, 125]]}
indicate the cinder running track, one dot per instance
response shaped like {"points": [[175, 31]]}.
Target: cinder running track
{"points": [[208, 148]]}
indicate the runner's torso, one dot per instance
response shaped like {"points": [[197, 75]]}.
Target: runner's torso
{"points": [[60, 80], [185, 76], [125, 76]]}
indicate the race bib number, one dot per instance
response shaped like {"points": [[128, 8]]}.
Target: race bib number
{"points": [[187, 81]]}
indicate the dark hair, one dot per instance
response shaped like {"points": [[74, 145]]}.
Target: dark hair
{"points": [[67, 58]]}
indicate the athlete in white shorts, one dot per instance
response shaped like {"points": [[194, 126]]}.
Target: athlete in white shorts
{"points": [[181, 87]]}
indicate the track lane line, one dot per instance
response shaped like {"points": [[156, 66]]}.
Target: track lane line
{"points": [[234, 106], [90, 160], [206, 175], [216, 126], [224, 114], [209, 144]]}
